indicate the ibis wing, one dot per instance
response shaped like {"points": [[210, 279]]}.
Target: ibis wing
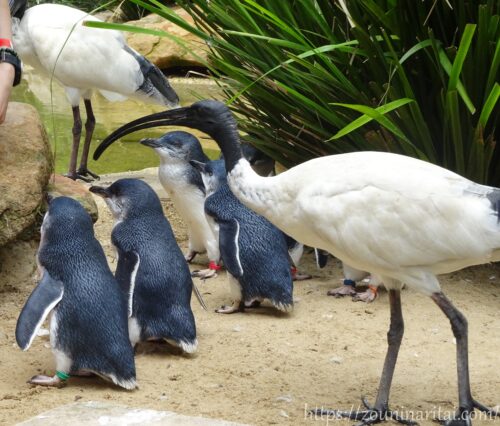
{"points": [[46, 295]]}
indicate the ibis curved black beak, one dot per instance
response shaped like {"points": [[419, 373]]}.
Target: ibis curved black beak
{"points": [[178, 117], [99, 190]]}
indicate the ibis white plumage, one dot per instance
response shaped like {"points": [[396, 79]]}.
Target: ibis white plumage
{"points": [[52, 39], [400, 218]]}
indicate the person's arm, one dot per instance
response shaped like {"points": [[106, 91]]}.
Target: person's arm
{"points": [[7, 71]]}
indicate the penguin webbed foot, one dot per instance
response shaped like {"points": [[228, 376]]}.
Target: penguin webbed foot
{"points": [[190, 256], [82, 373], [299, 276], [237, 306], [42, 380], [344, 290], [252, 304], [204, 274], [367, 296]]}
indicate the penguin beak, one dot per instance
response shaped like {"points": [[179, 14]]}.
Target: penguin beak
{"points": [[178, 117], [152, 143], [198, 165], [101, 191], [49, 197]]}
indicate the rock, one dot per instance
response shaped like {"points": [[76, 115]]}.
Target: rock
{"points": [[63, 186], [102, 413], [25, 167], [164, 52]]}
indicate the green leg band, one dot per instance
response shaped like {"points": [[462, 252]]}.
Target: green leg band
{"points": [[62, 376]]}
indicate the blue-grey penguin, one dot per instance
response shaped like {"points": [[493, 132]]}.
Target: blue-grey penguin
{"points": [[265, 166], [185, 187], [348, 287], [88, 325], [351, 277], [253, 250], [260, 162], [151, 268]]}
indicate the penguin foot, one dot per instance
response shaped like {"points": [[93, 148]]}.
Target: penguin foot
{"points": [[190, 256], [253, 303], [83, 172], [204, 274], [81, 373], [297, 276], [367, 296], [237, 306], [344, 290], [42, 380]]}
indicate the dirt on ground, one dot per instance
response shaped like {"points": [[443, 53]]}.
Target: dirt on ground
{"points": [[265, 367]]}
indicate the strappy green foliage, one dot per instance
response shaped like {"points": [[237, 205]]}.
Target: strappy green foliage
{"points": [[315, 77]]}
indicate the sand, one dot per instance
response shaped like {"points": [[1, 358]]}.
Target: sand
{"points": [[264, 367]]}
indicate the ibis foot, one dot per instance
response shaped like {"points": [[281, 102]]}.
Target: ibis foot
{"points": [[370, 416], [463, 415]]}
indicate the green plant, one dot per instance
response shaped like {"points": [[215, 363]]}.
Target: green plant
{"points": [[316, 77], [86, 5]]}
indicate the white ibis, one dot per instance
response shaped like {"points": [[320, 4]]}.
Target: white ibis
{"points": [[52, 39], [400, 218]]}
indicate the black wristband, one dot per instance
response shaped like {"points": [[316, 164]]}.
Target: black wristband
{"points": [[10, 56]]}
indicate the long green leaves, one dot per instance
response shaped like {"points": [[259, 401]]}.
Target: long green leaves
{"points": [[423, 75]]}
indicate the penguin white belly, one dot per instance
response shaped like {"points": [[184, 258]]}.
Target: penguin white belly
{"points": [[63, 360], [189, 202], [134, 331]]}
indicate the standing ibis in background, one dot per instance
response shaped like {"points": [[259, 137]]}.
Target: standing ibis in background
{"points": [[400, 218], [52, 39]]}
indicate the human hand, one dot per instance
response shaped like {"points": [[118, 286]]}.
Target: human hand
{"points": [[7, 74]]}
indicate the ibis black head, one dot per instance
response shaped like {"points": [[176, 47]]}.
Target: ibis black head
{"points": [[209, 116]]}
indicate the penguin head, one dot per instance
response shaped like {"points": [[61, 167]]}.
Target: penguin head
{"points": [[65, 219], [177, 146], [260, 162], [128, 198], [213, 174]]}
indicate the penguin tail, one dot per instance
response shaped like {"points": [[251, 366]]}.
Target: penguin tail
{"points": [[129, 384], [283, 307], [189, 347]]}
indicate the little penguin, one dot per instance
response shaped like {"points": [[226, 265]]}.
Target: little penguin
{"points": [[185, 187], [260, 162], [151, 268], [265, 166], [253, 250], [351, 276], [88, 323]]}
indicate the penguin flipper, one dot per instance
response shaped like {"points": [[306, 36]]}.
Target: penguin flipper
{"points": [[321, 257], [126, 272], [46, 295], [228, 241]]}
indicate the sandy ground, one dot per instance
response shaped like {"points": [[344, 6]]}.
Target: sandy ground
{"points": [[263, 367]]}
